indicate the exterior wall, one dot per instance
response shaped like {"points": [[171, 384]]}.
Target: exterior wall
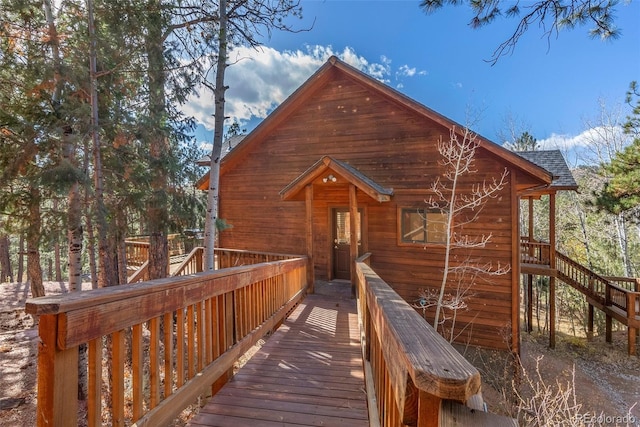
{"points": [[397, 149]]}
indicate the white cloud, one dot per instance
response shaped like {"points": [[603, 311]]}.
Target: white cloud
{"points": [[407, 71], [592, 146], [600, 135], [261, 79]]}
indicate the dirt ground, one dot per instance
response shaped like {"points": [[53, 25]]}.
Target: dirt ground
{"points": [[607, 380]]}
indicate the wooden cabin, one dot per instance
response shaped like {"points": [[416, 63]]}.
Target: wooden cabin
{"points": [[332, 185], [344, 166]]}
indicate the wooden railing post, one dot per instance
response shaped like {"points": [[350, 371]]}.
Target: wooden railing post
{"points": [[608, 318], [57, 377], [631, 317], [590, 319], [428, 410]]}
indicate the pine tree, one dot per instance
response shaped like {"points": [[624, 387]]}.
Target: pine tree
{"points": [[622, 191]]}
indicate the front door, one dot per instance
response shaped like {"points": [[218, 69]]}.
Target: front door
{"points": [[342, 242]]}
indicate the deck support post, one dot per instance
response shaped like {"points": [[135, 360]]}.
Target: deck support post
{"points": [[608, 337], [308, 191], [57, 377], [590, 319], [428, 410], [552, 265], [530, 276], [529, 303], [552, 312], [631, 331], [608, 319], [353, 235]]}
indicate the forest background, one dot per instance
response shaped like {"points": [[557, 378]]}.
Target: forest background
{"points": [[95, 149]]}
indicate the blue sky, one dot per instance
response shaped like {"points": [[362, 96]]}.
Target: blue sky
{"points": [[550, 88]]}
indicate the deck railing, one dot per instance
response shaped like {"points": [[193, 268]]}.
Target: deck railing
{"points": [[629, 283], [616, 301], [137, 252], [140, 275], [192, 264], [413, 369], [532, 252], [165, 341], [234, 257]]}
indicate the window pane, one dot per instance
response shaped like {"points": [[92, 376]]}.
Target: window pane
{"points": [[413, 225], [436, 227], [343, 226]]}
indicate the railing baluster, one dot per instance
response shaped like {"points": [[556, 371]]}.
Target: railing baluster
{"points": [[154, 363], [137, 371], [168, 354], [94, 362], [180, 339], [200, 335], [191, 344], [117, 378], [208, 331]]}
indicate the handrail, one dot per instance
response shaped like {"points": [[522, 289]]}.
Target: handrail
{"points": [[538, 253], [137, 248], [141, 274], [194, 329], [234, 257], [414, 368], [617, 297], [629, 283], [137, 252], [192, 263], [616, 301]]}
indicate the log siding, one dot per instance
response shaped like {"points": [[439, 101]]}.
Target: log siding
{"points": [[342, 116]]}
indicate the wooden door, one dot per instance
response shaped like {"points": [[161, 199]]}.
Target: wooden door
{"points": [[341, 258]]}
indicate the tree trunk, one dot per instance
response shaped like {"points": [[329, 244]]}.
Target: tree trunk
{"points": [[57, 263], [20, 259], [34, 270], [158, 146], [210, 229], [623, 244], [5, 261], [121, 248], [74, 221], [107, 273], [74, 238], [585, 236], [91, 241]]}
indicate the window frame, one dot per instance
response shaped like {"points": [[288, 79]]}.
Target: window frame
{"points": [[401, 210]]}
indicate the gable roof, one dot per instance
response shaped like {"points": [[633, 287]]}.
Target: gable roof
{"points": [[553, 161], [230, 142], [348, 172], [324, 74]]}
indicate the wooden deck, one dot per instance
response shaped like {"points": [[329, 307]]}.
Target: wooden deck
{"points": [[309, 372]]}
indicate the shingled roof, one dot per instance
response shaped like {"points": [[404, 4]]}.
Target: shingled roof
{"points": [[227, 145], [553, 162]]}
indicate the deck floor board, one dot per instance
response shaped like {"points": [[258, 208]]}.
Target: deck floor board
{"points": [[308, 373]]}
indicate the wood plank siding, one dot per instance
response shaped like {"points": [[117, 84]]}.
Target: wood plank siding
{"points": [[392, 141]]}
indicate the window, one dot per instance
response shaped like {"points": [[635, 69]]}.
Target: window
{"points": [[420, 225]]}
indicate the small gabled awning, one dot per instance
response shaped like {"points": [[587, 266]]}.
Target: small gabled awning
{"points": [[329, 165]]}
